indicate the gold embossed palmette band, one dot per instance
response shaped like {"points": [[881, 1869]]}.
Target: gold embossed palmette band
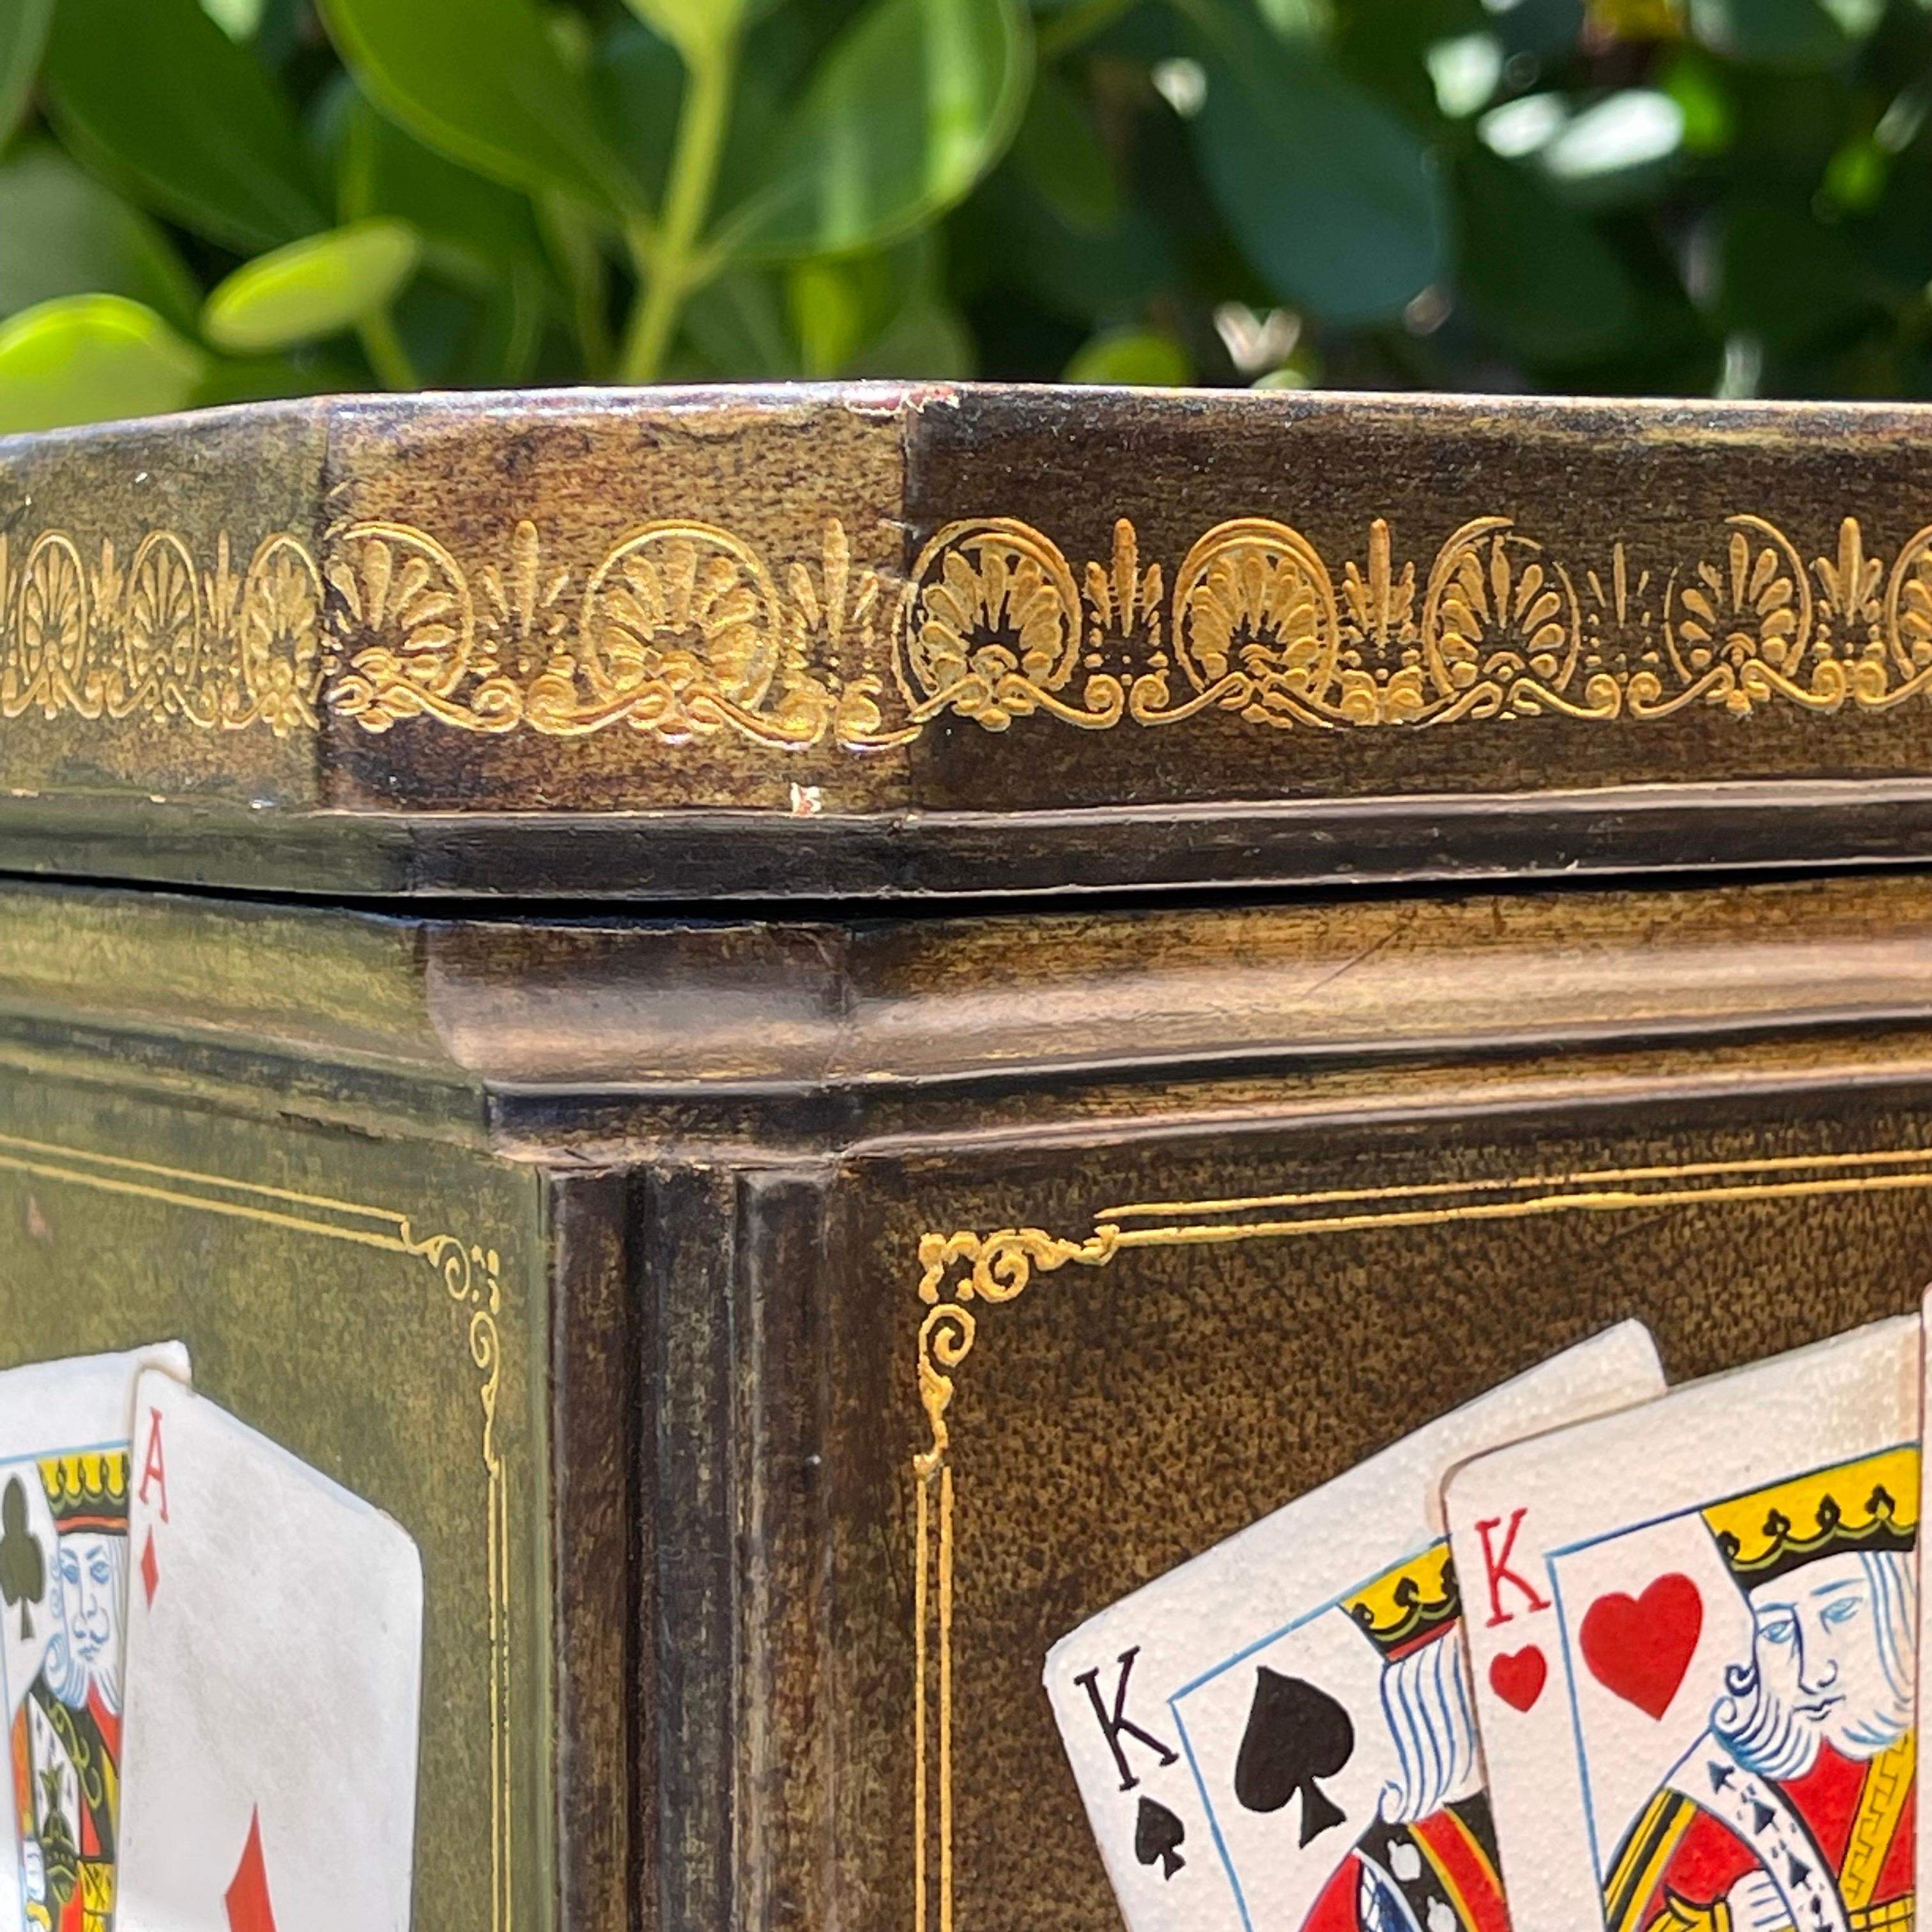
{"points": [[683, 630]]}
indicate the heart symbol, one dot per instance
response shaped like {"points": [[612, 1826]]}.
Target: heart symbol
{"points": [[1639, 1648], [1517, 1676]]}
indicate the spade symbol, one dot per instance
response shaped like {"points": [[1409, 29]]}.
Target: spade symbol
{"points": [[1295, 1735], [1158, 1835], [23, 1568]]}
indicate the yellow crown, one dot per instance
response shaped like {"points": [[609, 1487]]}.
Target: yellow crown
{"points": [[88, 1490], [1410, 1602], [1870, 1503]]}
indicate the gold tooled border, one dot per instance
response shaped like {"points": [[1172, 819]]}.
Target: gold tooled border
{"points": [[680, 629], [470, 1273], [963, 1271]]}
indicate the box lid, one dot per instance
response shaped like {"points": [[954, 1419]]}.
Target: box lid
{"points": [[820, 641]]}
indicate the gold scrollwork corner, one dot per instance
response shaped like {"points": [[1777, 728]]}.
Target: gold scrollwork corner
{"points": [[997, 1268], [957, 1270]]}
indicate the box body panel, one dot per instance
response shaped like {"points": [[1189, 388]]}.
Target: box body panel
{"points": [[377, 1307]]}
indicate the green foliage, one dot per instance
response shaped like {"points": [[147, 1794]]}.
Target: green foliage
{"points": [[1331, 194], [486, 82], [90, 358], [1141, 358], [315, 287], [155, 99], [202, 200], [23, 34], [909, 107]]}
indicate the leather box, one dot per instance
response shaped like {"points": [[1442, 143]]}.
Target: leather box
{"points": [[598, 960]]}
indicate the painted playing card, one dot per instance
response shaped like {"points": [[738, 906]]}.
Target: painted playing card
{"points": [[64, 1428], [274, 1644], [1923, 1822], [1693, 1628], [1279, 1733]]}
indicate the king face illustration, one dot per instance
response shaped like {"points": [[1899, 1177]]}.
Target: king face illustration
{"points": [[66, 1736], [1794, 1807], [1428, 1861]]}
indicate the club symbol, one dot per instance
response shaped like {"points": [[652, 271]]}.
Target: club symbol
{"points": [[23, 1565], [1296, 1734], [1159, 1834]]}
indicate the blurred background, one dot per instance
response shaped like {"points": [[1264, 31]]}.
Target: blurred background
{"points": [[206, 200]]}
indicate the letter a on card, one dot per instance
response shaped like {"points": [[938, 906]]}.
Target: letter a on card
{"points": [[1696, 1706]]}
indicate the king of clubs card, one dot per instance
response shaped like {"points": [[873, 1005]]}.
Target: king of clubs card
{"points": [[66, 1736]]}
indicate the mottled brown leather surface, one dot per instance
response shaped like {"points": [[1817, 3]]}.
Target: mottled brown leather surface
{"points": [[1111, 1421]]}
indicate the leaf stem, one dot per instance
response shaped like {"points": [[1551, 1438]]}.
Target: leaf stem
{"points": [[1064, 29], [390, 360], [670, 269], [574, 246]]}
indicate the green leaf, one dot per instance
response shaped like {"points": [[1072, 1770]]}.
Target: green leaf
{"points": [[1330, 196], [92, 358], [23, 34], [313, 288], [472, 229], [912, 104], [483, 81], [848, 312], [1536, 273], [736, 325], [152, 95], [1059, 152], [239, 19], [827, 301], [262, 378], [501, 348], [1769, 33], [926, 341], [1789, 279], [1389, 47], [838, 307], [637, 81], [1142, 358], [1009, 236], [637, 86], [1697, 86], [62, 234]]}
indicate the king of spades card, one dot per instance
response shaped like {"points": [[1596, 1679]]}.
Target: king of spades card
{"points": [[1794, 1805], [66, 1732], [1428, 1862]]}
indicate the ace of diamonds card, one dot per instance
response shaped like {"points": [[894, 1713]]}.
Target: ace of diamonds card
{"points": [[1278, 1734], [274, 1639]]}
